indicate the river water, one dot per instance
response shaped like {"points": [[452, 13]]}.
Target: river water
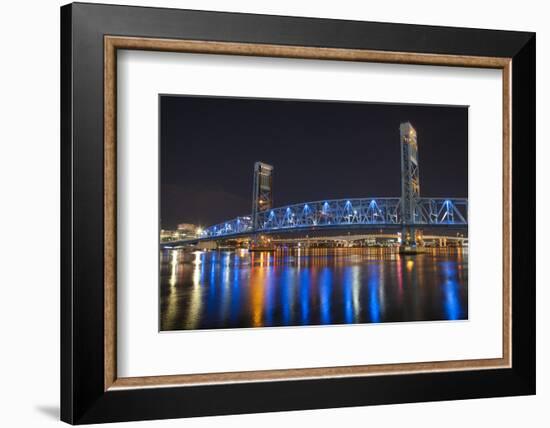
{"points": [[236, 289]]}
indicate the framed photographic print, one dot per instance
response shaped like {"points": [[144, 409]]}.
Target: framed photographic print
{"points": [[320, 213]]}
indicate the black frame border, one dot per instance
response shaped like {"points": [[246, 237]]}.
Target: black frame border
{"points": [[83, 399]]}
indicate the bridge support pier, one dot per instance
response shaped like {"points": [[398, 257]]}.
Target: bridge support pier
{"points": [[408, 236], [409, 243]]}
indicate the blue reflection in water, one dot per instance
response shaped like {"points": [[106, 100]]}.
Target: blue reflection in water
{"points": [[325, 290], [269, 295], [213, 271], [374, 302], [305, 283], [211, 299], [235, 292], [225, 286], [348, 295], [202, 269], [286, 298], [451, 292]]}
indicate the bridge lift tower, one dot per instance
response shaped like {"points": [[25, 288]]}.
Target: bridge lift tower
{"points": [[262, 190], [410, 183]]}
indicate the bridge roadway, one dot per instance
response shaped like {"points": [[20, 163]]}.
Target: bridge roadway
{"points": [[324, 238], [352, 238]]}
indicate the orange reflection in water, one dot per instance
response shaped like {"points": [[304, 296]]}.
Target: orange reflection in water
{"points": [[257, 290]]}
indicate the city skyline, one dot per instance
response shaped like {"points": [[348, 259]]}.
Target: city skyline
{"points": [[319, 150]]}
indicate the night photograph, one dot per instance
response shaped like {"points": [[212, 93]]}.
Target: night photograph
{"points": [[280, 213]]}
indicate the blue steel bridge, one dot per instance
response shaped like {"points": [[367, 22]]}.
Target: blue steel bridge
{"points": [[345, 213], [407, 213]]}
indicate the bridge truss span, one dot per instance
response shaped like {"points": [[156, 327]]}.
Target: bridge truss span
{"points": [[441, 211], [338, 213], [236, 226]]}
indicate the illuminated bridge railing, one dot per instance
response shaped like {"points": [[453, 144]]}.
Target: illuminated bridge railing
{"points": [[382, 212]]}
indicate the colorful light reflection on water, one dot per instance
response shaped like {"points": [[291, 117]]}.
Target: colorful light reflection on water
{"points": [[237, 289]]}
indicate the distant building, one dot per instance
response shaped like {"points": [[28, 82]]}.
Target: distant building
{"points": [[188, 228], [183, 231], [168, 235]]}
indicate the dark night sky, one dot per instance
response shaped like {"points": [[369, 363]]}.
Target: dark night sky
{"points": [[320, 150]]}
